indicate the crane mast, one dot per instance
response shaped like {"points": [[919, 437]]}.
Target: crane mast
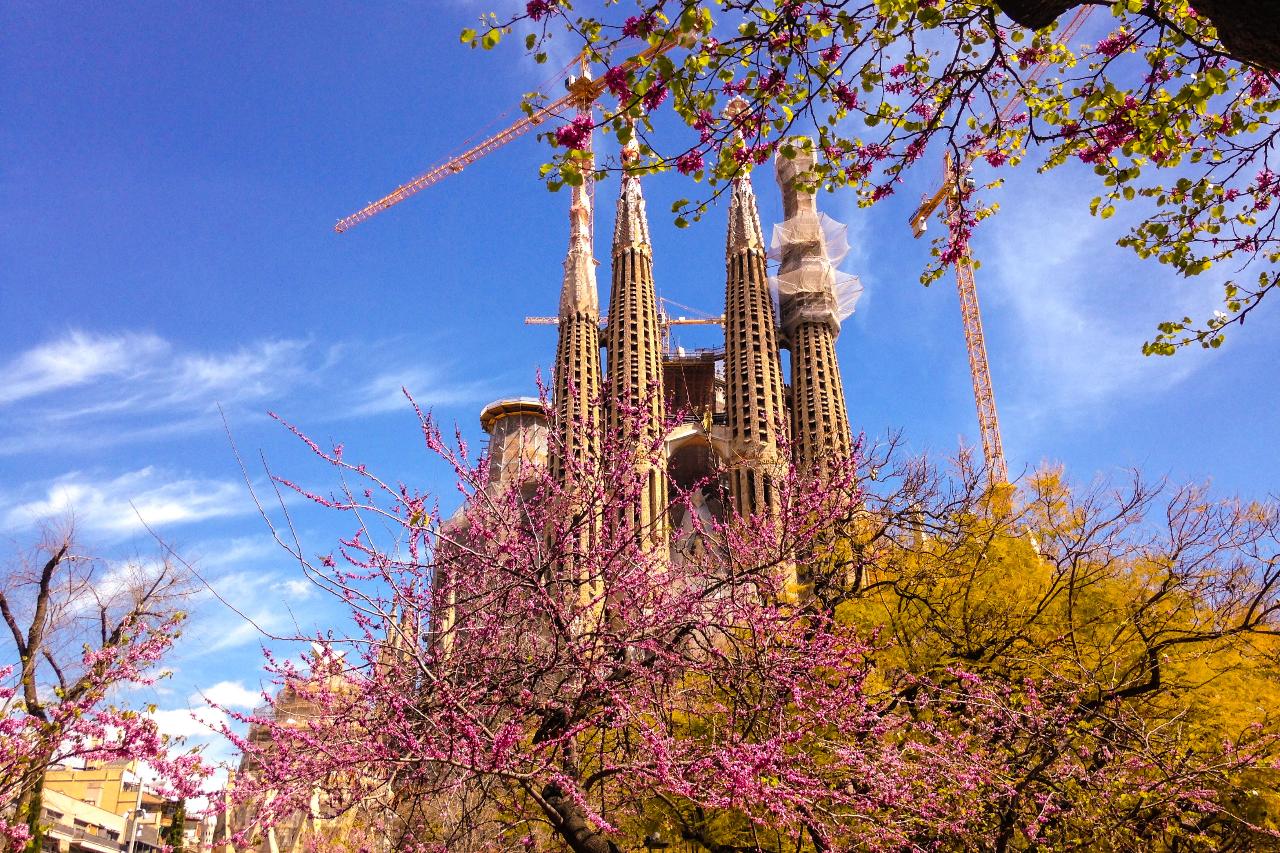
{"points": [[948, 195], [983, 394]]}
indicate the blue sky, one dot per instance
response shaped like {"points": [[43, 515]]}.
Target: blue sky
{"points": [[169, 178]]}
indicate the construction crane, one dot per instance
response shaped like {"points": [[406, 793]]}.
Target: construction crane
{"points": [[583, 92], [955, 176], [665, 322]]}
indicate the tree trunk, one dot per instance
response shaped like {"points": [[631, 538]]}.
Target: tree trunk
{"points": [[1035, 14], [30, 808], [1248, 29], [574, 827]]}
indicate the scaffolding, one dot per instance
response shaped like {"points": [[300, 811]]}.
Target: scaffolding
{"points": [[808, 287]]}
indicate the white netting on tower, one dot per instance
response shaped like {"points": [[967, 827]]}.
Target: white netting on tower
{"points": [[815, 292], [806, 227], [807, 286], [848, 290]]}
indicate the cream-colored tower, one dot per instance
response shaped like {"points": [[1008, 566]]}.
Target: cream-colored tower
{"points": [[576, 443], [577, 366], [754, 403], [810, 323], [634, 376]]}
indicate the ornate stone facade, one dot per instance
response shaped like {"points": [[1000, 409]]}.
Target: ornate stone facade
{"points": [[577, 366], [633, 379], [735, 410], [755, 405]]}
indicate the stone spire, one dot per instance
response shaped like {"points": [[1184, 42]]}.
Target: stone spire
{"points": [[579, 292], [400, 636], [754, 402], [810, 323], [577, 366], [631, 228], [634, 376]]}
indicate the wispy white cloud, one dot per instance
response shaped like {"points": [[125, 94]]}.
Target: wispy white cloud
{"points": [[95, 390], [254, 371], [76, 359], [229, 694], [137, 371], [98, 390], [245, 633], [43, 433], [1073, 309], [296, 588], [430, 388], [197, 722], [253, 604], [119, 506], [220, 555]]}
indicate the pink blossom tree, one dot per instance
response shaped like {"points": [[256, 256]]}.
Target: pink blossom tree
{"points": [[1173, 104], [81, 631], [526, 676]]}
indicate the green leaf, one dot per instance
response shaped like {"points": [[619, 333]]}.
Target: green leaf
{"points": [[468, 36]]}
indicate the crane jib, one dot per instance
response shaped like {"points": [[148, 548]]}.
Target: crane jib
{"points": [[581, 95]]}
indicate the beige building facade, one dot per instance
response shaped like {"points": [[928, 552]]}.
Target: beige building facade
{"points": [[96, 808]]}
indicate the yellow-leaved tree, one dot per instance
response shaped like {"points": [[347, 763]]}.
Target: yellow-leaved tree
{"points": [[1110, 652]]}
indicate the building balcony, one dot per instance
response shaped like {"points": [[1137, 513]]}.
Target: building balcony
{"points": [[84, 838]]}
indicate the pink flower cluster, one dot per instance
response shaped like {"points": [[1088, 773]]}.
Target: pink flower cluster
{"points": [[1115, 132], [576, 134], [845, 96], [1029, 56], [639, 26], [1259, 85], [82, 725], [1115, 44], [704, 124], [654, 95], [689, 162], [615, 79], [556, 669], [539, 9], [772, 83]]}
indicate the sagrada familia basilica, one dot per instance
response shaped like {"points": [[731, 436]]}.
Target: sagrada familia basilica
{"points": [[735, 402]]}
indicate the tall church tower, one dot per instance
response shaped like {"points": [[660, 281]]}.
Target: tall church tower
{"points": [[634, 376], [811, 318], [754, 403], [577, 366]]}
